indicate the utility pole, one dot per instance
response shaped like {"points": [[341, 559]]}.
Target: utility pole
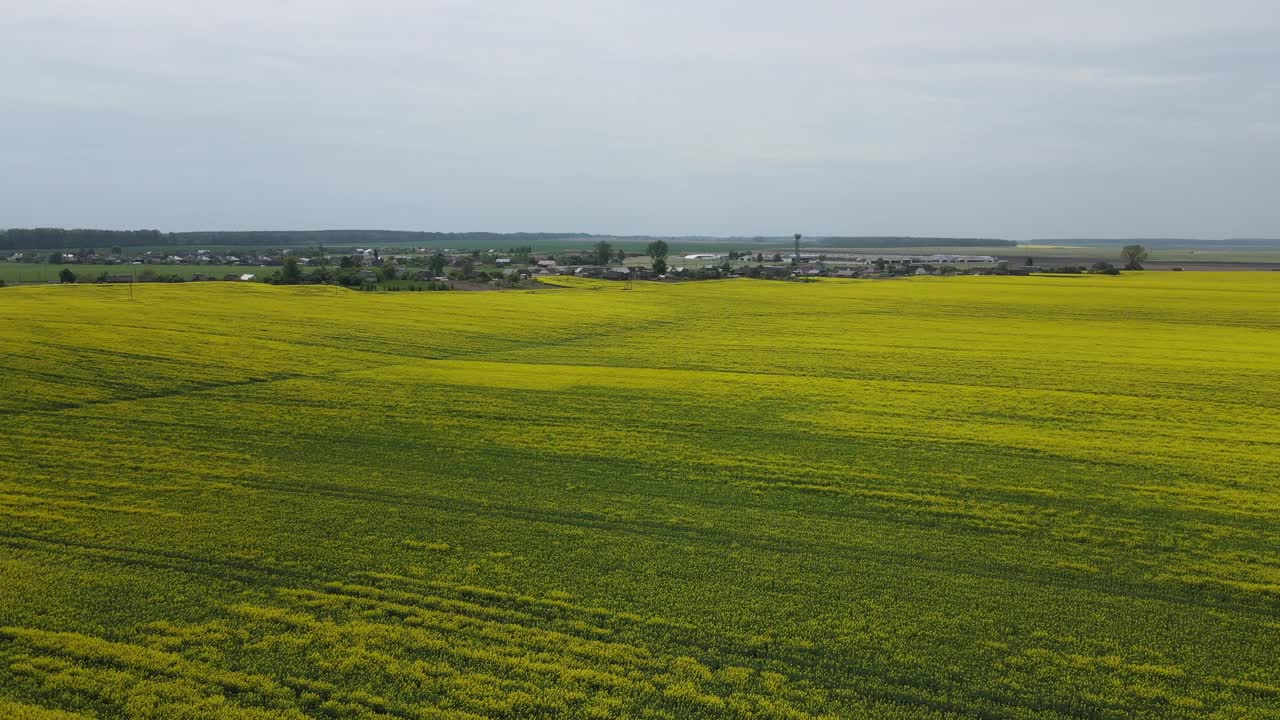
{"points": [[797, 255]]}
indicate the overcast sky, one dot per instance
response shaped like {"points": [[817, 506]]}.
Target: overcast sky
{"points": [[997, 118]]}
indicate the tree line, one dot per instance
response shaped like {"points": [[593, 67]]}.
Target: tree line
{"points": [[30, 238], [34, 238], [908, 242]]}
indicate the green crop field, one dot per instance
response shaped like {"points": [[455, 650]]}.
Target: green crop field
{"points": [[1021, 498], [48, 273]]}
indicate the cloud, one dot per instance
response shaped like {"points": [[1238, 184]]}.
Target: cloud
{"points": [[913, 117]]}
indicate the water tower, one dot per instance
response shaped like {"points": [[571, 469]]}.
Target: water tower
{"points": [[797, 255]]}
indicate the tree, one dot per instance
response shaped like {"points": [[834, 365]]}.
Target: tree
{"points": [[777, 257], [290, 274], [436, 264], [1133, 255], [66, 276], [620, 255], [55, 258], [600, 253], [347, 262], [117, 250], [389, 271], [658, 251]]}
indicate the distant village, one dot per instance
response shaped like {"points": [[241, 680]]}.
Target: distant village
{"points": [[448, 268]]}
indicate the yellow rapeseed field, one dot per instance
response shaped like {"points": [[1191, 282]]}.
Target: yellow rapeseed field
{"points": [[1021, 498]]}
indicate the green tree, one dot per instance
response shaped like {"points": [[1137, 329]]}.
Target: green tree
{"points": [[436, 264], [600, 252], [290, 274], [1133, 255], [389, 271], [658, 252], [66, 276], [55, 258]]}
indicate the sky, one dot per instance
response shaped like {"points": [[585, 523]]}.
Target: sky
{"points": [[985, 118]]}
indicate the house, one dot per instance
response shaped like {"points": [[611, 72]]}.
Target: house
{"points": [[546, 263], [502, 261], [846, 273]]}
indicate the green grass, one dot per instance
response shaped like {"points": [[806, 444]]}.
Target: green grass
{"points": [[930, 499], [44, 272], [1207, 252]]}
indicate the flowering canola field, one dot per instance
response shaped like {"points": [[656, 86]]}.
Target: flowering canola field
{"points": [[1040, 498]]}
